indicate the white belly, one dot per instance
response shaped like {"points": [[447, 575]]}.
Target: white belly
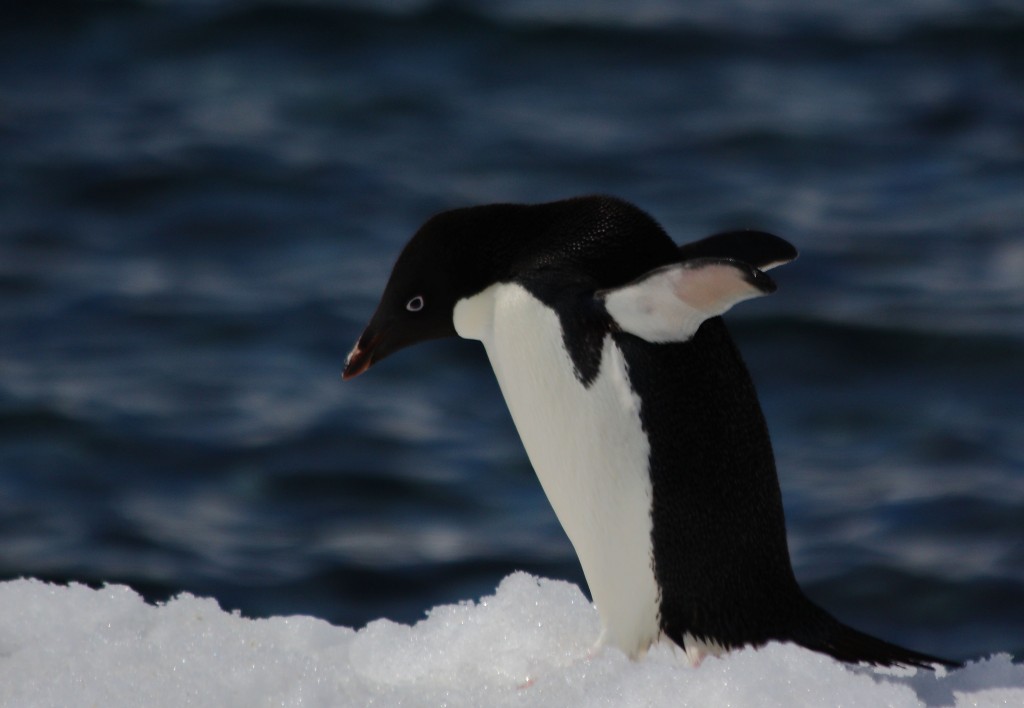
{"points": [[587, 448]]}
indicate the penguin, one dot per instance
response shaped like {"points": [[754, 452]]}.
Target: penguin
{"points": [[635, 408]]}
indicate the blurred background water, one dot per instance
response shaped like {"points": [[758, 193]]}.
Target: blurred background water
{"points": [[200, 203]]}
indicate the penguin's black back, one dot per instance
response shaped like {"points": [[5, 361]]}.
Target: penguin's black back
{"points": [[720, 552], [721, 558]]}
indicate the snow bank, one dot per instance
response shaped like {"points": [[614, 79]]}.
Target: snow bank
{"points": [[527, 645]]}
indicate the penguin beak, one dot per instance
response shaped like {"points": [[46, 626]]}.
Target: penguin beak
{"points": [[362, 354], [387, 334]]}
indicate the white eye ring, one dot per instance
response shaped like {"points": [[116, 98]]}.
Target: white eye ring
{"points": [[415, 305]]}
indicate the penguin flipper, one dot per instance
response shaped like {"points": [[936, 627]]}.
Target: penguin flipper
{"points": [[855, 647], [758, 248], [669, 303]]}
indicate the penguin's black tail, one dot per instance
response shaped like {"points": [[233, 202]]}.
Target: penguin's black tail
{"points": [[849, 645]]}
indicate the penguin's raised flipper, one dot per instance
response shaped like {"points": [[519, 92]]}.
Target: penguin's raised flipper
{"points": [[668, 304], [758, 248]]}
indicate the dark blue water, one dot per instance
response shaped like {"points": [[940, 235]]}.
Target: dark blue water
{"points": [[200, 202]]}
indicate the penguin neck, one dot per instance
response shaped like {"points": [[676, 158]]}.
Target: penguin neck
{"points": [[587, 446]]}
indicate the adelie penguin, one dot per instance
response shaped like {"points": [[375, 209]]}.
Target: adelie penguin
{"points": [[635, 409]]}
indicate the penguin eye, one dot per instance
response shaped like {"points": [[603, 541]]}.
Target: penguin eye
{"points": [[415, 305]]}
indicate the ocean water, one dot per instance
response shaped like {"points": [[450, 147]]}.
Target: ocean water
{"points": [[200, 203]]}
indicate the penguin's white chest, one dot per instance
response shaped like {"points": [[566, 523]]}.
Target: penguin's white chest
{"points": [[587, 447]]}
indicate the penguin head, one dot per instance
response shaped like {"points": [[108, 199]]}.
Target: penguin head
{"points": [[443, 263], [459, 253]]}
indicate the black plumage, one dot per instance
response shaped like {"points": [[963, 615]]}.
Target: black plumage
{"points": [[720, 556]]}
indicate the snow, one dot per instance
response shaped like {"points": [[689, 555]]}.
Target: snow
{"points": [[529, 644]]}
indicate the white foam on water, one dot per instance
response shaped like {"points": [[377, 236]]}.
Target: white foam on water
{"points": [[526, 645]]}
